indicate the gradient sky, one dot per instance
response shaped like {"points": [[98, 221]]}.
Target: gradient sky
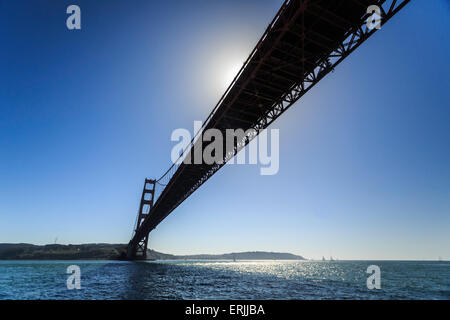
{"points": [[87, 115]]}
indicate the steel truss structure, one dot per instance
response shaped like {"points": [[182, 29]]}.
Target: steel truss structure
{"points": [[305, 41]]}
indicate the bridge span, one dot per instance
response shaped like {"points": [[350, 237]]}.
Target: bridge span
{"points": [[304, 42]]}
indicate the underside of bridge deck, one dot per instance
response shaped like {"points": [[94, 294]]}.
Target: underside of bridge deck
{"points": [[304, 42]]}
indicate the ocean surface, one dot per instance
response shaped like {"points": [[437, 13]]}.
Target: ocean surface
{"points": [[224, 280]]}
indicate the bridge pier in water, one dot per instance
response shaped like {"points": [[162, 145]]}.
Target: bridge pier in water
{"points": [[137, 249]]}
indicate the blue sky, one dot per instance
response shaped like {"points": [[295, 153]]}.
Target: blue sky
{"points": [[87, 115]]}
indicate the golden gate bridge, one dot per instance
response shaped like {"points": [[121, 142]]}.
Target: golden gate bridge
{"points": [[304, 42]]}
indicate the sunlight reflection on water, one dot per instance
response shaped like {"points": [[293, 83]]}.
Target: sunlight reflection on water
{"points": [[224, 280]]}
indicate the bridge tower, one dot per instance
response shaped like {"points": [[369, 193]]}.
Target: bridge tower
{"points": [[138, 250]]}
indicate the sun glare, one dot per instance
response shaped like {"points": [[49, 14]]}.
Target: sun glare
{"points": [[230, 72]]}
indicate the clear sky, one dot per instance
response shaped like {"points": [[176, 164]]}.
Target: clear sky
{"points": [[87, 115]]}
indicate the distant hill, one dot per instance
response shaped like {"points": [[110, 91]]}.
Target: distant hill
{"points": [[103, 251], [24, 251], [257, 255]]}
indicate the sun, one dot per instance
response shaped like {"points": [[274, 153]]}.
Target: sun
{"points": [[229, 72]]}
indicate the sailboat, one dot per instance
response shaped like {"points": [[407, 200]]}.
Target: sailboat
{"points": [[331, 259], [323, 258]]}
